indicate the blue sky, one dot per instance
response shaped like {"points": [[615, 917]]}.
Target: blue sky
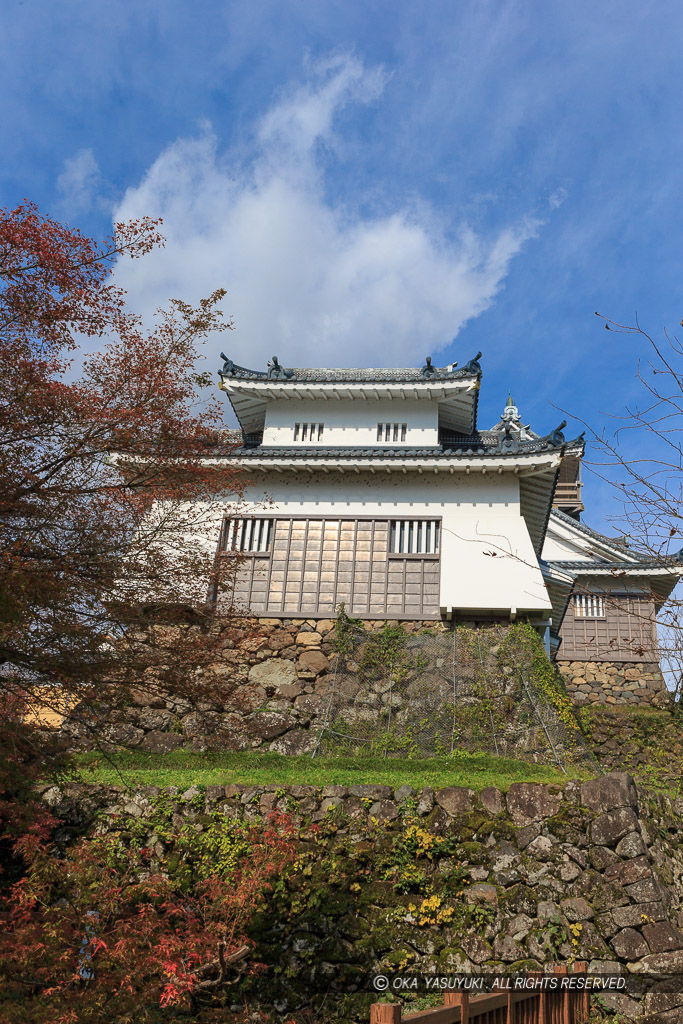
{"points": [[375, 182]]}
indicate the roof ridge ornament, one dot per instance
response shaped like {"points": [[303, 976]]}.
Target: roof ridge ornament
{"points": [[474, 365], [231, 369], [509, 440], [277, 372], [555, 438], [428, 369]]}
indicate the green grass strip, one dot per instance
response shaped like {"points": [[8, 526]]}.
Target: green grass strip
{"points": [[186, 768]]}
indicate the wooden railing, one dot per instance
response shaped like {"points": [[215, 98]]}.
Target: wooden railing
{"points": [[512, 1006]]}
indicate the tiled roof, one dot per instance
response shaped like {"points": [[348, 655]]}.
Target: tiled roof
{"points": [[670, 561], [299, 374], [360, 375], [470, 447], [578, 525], [615, 543]]}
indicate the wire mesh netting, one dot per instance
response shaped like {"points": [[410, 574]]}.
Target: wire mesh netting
{"points": [[492, 689]]}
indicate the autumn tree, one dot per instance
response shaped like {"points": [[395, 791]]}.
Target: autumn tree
{"points": [[112, 492], [108, 505], [119, 929]]}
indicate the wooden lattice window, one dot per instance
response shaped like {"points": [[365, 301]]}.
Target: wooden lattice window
{"points": [[589, 606], [415, 537], [308, 431], [250, 535], [392, 432]]}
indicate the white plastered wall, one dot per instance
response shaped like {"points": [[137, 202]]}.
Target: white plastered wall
{"points": [[487, 559], [350, 423]]}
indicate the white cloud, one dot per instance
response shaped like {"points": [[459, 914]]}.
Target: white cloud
{"points": [[79, 183], [556, 198], [308, 279]]}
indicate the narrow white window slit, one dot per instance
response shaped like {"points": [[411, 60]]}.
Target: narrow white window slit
{"points": [[589, 606], [391, 432], [248, 535], [308, 431], [414, 537]]}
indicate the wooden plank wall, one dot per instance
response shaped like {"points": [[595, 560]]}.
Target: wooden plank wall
{"points": [[626, 633], [316, 564]]}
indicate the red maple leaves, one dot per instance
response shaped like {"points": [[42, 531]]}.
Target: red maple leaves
{"points": [[98, 934], [107, 499]]}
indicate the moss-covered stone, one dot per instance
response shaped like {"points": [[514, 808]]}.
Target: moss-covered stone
{"points": [[473, 853]]}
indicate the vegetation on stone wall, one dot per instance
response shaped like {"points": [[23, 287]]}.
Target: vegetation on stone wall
{"points": [[396, 879], [644, 741], [524, 649], [137, 917], [407, 691]]}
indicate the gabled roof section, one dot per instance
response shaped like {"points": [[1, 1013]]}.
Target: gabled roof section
{"points": [[410, 375], [605, 558], [596, 546], [456, 389]]}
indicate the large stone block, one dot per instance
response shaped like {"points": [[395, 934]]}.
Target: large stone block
{"points": [[354, 807], [660, 963], [647, 890], [492, 800], [202, 723], [278, 639], [313, 662], [425, 802], [455, 799], [629, 944], [122, 734], [274, 672], [310, 705], [635, 916], [161, 742], [309, 639], [631, 845], [609, 828], [296, 741], [662, 937], [266, 725], [629, 871], [232, 733], [383, 810], [543, 848], [577, 909], [154, 719], [214, 793], [659, 999], [371, 792], [614, 790], [477, 949], [482, 892], [530, 801], [290, 691]]}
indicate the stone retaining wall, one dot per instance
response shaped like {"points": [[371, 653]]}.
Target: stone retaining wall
{"points": [[645, 741], [276, 675], [608, 682], [446, 881]]}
